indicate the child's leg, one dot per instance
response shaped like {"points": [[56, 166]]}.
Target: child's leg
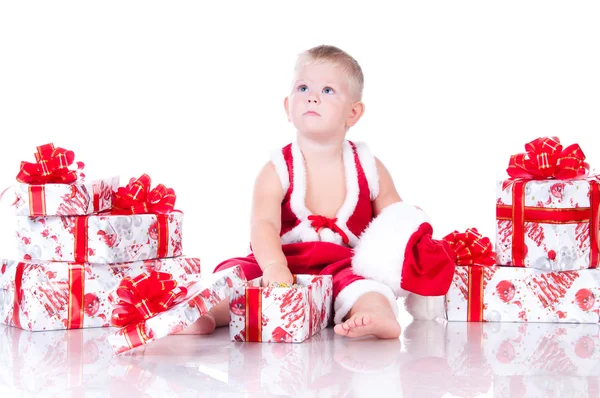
{"points": [[371, 314]]}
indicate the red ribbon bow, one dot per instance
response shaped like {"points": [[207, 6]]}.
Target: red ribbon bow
{"points": [[52, 166], [137, 198], [145, 296], [470, 248], [318, 222], [546, 158]]}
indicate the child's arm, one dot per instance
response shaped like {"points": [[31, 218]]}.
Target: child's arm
{"points": [[265, 227], [387, 190]]}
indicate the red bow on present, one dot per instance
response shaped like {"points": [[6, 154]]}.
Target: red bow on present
{"points": [[144, 296], [51, 167], [546, 158], [470, 248], [137, 198]]}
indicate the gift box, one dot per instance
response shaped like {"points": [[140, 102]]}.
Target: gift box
{"points": [[100, 239], [149, 307], [47, 295], [78, 198], [52, 363], [508, 294], [281, 314], [507, 348], [547, 211]]}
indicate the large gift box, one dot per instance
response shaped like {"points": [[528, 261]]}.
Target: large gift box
{"points": [[507, 294], [547, 212], [281, 314], [151, 306], [46, 295], [101, 238]]}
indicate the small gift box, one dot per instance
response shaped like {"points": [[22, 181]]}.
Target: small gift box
{"points": [[547, 212], [152, 306], [142, 225], [281, 314], [47, 295], [52, 186]]}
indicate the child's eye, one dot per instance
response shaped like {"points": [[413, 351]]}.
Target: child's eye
{"points": [[302, 88], [328, 90]]}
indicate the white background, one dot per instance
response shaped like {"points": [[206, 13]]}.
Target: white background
{"points": [[192, 94]]}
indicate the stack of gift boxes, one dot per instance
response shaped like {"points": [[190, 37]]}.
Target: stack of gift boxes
{"points": [[78, 239], [547, 244]]}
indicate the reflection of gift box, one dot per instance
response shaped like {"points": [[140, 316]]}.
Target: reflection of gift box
{"points": [[508, 348], [78, 198], [280, 369], [46, 295], [35, 363], [100, 239], [545, 386], [547, 213], [281, 314], [151, 308], [509, 294]]}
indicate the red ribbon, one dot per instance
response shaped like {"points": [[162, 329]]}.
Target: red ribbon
{"points": [[254, 314], [475, 251], [546, 158], [52, 166], [137, 198], [144, 296], [318, 222], [471, 248]]}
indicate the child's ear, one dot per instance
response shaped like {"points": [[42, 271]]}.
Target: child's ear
{"points": [[286, 105], [358, 109]]}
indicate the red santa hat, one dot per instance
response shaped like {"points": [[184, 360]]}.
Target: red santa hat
{"points": [[397, 249]]}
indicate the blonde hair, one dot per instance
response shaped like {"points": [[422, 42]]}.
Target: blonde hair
{"points": [[336, 57]]}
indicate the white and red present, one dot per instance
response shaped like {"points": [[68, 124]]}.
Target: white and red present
{"points": [[78, 198], [509, 294], [281, 314], [100, 239], [48, 296], [201, 295], [548, 224]]}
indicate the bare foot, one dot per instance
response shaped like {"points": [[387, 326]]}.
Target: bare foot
{"points": [[361, 324], [205, 325]]}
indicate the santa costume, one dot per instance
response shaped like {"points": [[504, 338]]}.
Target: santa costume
{"points": [[391, 254]]}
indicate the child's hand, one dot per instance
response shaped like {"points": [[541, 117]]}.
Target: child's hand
{"points": [[279, 273]]}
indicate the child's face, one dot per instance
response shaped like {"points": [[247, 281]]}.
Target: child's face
{"points": [[321, 101]]}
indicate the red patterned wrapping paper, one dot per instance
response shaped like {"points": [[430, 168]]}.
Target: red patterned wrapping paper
{"points": [[509, 294], [100, 239], [47, 296], [548, 211], [281, 314], [78, 198], [197, 299]]}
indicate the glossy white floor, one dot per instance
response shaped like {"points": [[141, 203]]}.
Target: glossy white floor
{"points": [[429, 360]]}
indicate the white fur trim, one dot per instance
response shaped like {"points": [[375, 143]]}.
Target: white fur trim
{"points": [[281, 168], [304, 232], [367, 160], [346, 299], [425, 308], [379, 254]]}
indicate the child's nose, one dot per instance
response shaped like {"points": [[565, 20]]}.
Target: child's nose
{"points": [[313, 99]]}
